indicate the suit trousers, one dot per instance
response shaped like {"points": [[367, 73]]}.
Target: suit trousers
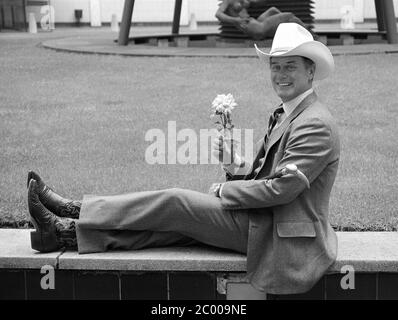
{"points": [[159, 218]]}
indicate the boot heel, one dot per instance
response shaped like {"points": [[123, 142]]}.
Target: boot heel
{"points": [[43, 241]]}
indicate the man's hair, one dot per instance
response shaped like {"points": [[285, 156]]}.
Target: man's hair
{"points": [[308, 62]]}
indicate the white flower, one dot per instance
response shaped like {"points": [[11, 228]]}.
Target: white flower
{"points": [[229, 102], [223, 102], [222, 106]]}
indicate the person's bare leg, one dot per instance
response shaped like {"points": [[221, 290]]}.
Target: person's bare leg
{"points": [[266, 14], [267, 28]]}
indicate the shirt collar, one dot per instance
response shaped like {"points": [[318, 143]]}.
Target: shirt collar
{"points": [[290, 105]]}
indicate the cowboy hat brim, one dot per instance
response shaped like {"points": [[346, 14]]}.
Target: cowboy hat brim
{"points": [[314, 50]]}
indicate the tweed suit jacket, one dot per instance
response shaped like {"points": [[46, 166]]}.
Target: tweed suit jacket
{"points": [[291, 242]]}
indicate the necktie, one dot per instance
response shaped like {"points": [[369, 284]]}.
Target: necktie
{"points": [[273, 119]]}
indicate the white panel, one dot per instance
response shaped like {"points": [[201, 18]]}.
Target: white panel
{"points": [[158, 11], [370, 11], [65, 10], [95, 13], [326, 9], [110, 7], [204, 10], [359, 10]]}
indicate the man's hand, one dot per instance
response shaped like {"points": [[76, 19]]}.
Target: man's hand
{"points": [[215, 189], [221, 149], [242, 23]]}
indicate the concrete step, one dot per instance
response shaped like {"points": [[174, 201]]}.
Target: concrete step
{"points": [[365, 251]]}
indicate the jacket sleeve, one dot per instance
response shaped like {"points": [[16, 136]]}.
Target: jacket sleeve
{"points": [[309, 146]]}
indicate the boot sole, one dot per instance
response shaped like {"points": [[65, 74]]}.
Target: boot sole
{"points": [[43, 241]]}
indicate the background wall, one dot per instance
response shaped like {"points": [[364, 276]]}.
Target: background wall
{"points": [[364, 9], [144, 10], [162, 10]]}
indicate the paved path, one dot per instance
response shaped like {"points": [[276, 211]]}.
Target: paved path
{"points": [[106, 45], [103, 41]]}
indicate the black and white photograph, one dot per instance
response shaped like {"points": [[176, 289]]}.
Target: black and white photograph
{"points": [[198, 157]]}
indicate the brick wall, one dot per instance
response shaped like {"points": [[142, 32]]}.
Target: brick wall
{"points": [[79, 285]]}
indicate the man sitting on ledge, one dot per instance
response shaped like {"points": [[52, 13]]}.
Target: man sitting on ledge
{"points": [[276, 212]]}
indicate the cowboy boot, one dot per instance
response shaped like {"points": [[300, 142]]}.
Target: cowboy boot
{"points": [[52, 232], [54, 202]]}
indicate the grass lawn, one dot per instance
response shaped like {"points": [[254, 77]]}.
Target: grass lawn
{"points": [[80, 122]]}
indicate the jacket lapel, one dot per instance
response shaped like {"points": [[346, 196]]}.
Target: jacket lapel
{"points": [[277, 133]]}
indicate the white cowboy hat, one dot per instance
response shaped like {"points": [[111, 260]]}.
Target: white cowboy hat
{"points": [[291, 39]]}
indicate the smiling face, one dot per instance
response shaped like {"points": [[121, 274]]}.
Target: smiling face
{"points": [[291, 76]]}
